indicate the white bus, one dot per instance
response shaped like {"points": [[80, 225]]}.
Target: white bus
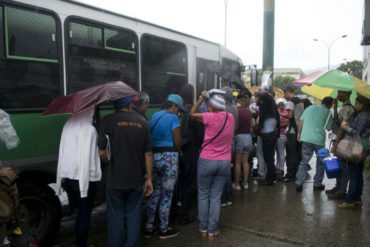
{"points": [[50, 48]]}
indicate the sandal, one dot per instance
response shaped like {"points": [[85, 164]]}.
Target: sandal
{"points": [[202, 233], [213, 236]]}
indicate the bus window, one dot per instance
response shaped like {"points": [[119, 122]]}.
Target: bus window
{"points": [[231, 73], [83, 35], [30, 36], [97, 54], [119, 41], [164, 67], [30, 76]]}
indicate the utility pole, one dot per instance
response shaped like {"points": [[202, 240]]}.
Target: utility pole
{"points": [[226, 2], [268, 36]]}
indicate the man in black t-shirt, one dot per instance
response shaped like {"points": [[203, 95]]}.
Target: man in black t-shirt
{"points": [[130, 157]]}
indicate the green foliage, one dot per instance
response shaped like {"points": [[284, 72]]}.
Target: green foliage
{"points": [[355, 66], [284, 81]]}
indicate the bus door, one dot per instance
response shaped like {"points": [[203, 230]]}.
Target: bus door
{"points": [[206, 75]]}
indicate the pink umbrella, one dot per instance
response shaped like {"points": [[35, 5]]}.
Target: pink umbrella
{"points": [[309, 79], [88, 97]]}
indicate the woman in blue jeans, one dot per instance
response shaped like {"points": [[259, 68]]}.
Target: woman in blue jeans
{"points": [[361, 126], [214, 161]]}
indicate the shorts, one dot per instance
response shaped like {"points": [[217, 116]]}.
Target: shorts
{"points": [[244, 144]]}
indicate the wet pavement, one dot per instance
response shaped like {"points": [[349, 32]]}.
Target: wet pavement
{"points": [[264, 216]]}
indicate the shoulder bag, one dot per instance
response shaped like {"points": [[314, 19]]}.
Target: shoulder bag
{"points": [[227, 115], [351, 149]]}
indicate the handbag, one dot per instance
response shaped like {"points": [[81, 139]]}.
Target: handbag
{"points": [[227, 115], [351, 149]]}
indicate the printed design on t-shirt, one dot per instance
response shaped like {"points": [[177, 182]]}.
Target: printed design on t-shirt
{"points": [[129, 124]]}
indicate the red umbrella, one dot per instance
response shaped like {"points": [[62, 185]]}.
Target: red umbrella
{"points": [[88, 97]]}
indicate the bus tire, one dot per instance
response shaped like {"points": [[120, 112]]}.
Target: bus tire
{"points": [[40, 212]]}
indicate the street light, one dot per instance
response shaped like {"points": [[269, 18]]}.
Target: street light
{"points": [[226, 1], [329, 46]]}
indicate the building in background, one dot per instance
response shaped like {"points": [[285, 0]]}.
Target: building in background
{"points": [[293, 72]]}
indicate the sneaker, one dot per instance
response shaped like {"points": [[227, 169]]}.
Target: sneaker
{"points": [[236, 187], [331, 191], [298, 188], [245, 186], [345, 205], [169, 233], [319, 187], [337, 195], [223, 205], [148, 233], [231, 203]]}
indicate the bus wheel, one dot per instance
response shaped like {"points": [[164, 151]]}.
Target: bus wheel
{"points": [[40, 212]]}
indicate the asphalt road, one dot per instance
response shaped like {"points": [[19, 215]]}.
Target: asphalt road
{"points": [[263, 216]]}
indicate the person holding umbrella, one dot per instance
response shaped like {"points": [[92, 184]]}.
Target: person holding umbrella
{"points": [[346, 113], [361, 126], [79, 167]]}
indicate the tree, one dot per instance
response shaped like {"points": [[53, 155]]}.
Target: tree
{"points": [[284, 81], [355, 66]]}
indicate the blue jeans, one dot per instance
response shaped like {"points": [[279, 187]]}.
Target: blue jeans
{"points": [[84, 208], [212, 175], [124, 217], [307, 152], [342, 181], [356, 182]]}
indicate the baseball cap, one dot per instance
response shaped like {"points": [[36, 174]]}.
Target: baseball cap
{"points": [[175, 98]]}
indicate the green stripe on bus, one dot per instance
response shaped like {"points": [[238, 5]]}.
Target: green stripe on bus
{"points": [[20, 57], [115, 49], [33, 59], [119, 50], [174, 73]]}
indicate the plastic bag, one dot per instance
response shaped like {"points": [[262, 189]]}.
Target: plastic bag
{"points": [[351, 149], [7, 132]]}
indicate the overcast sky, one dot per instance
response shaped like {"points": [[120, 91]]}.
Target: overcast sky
{"points": [[297, 23]]}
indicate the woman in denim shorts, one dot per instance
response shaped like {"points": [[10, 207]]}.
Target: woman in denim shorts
{"points": [[243, 141]]}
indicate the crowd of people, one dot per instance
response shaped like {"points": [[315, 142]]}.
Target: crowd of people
{"points": [[208, 145]]}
